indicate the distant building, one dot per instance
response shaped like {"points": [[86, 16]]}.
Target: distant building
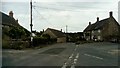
{"points": [[105, 29], [53, 33], [74, 37]]}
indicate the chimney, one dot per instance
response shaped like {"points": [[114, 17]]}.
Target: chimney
{"points": [[61, 30], [89, 23], [97, 19], [43, 30], [11, 14], [111, 14], [16, 21]]}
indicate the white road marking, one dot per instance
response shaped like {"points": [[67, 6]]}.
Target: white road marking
{"points": [[75, 49], [39, 49], [53, 55], [76, 58], [93, 56], [64, 66], [77, 45], [73, 66], [16, 51], [77, 55], [71, 56]]}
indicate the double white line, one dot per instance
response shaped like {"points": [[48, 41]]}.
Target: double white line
{"points": [[74, 61], [70, 58]]}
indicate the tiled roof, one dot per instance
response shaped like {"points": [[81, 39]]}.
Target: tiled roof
{"points": [[100, 24], [57, 32], [7, 20]]}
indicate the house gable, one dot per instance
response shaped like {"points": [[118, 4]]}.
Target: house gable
{"points": [[54, 33], [107, 27]]}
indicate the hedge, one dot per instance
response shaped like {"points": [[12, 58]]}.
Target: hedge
{"points": [[41, 40]]}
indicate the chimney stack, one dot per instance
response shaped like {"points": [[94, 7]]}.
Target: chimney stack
{"points": [[43, 30], [61, 30], [111, 14], [89, 23], [16, 21], [97, 19], [11, 14]]}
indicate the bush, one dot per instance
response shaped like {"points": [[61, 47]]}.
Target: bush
{"points": [[15, 44], [39, 40], [5, 44], [42, 40]]}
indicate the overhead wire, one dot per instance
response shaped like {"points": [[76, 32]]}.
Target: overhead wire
{"points": [[45, 19], [50, 8]]}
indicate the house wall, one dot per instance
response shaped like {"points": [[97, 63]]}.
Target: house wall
{"points": [[96, 35], [110, 29], [61, 40], [87, 35], [113, 28], [50, 33]]}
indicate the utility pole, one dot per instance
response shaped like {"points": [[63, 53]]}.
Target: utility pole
{"points": [[66, 28], [31, 22]]}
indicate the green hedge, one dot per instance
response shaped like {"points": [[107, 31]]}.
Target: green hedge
{"points": [[42, 40], [15, 44]]}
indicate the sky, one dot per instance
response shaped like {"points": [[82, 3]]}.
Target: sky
{"points": [[57, 14]]}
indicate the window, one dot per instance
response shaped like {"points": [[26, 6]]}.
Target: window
{"points": [[99, 37], [92, 31], [99, 31]]}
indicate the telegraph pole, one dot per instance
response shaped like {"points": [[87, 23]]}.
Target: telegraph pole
{"points": [[31, 22], [66, 28]]}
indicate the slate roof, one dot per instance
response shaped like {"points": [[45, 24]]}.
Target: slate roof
{"points": [[57, 32], [7, 20], [100, 24]]}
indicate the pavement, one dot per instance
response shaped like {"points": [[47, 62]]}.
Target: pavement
{"points": [[64, 55]]}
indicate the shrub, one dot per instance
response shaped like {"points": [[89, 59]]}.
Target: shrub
{"points": [[43, 40], [15, 44]]}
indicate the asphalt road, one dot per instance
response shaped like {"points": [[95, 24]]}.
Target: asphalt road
{"points": [[64, 54]]}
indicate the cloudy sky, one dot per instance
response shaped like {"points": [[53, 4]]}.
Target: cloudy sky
{"points": [[59, 13]]}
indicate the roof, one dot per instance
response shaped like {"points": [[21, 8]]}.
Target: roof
{"points": [[7, 20], [56, 32], [100, 24]]}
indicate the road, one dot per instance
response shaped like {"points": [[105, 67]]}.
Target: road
{"points": [[64, 55]]}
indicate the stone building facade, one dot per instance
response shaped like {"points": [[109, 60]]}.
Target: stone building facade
{"points": [[106, 29], [53, 33]]}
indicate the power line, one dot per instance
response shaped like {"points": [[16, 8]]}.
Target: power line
{"points": [[45, 19], [55, 9]]}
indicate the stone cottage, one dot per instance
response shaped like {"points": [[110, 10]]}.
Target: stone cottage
{"points": [[103, 30], [53, 33]]}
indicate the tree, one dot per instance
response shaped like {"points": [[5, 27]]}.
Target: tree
{"points": [[16, 33]]}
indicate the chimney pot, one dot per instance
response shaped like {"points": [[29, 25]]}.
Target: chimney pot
{"points": [[111, 14], [97, 19], [11, 13], [43, 30], [61, 30], [89, 23]]}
